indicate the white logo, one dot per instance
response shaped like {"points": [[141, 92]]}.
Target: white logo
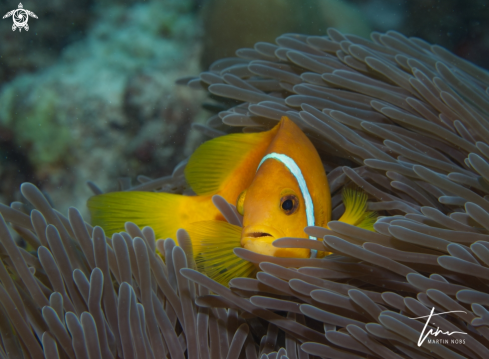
{"points": [[20, 17], [438, 331]]}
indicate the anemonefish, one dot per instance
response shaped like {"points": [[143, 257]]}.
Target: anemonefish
{"points": [[275, 178]]}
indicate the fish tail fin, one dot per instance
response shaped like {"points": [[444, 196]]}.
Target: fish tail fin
{"points": [[356, 210], [164, 212], [213, 243]]}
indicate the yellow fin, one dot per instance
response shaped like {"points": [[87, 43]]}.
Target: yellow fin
{"points": [[164, 212], [213, 243], [356, 210], [222, 160]]}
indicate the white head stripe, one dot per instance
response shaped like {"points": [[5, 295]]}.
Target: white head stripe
{"points": [[296, 172]]}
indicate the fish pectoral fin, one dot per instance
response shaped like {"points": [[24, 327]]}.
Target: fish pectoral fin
{"points": [[220, 161], [213, 246], [356, 212]]}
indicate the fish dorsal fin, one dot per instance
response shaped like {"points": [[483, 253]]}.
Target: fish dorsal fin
{"points": [[213, 245], [226, 160]]}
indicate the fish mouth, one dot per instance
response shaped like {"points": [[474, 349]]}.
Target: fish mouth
{"points": [[257, 234], [259, 239], [260, 232]]}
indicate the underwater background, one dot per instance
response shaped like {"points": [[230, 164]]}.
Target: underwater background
{"points": [[95, 91], [88, 93]]}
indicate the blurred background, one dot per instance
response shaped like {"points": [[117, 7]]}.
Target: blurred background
{"points": [[88, 93]]}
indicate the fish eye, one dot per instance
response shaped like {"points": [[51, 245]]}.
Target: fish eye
{"points": [[289, 203], [240, 203]]}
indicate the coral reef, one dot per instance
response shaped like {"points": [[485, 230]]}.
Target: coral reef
{"points": [[404, 120], [232, 24], [109, 103]]}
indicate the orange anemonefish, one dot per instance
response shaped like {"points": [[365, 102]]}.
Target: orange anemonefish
{"points": [[275, 178]]}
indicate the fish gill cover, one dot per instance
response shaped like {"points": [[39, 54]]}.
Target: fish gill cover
{"points": [[404, 120]]}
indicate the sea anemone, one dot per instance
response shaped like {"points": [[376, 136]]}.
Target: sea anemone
{"points": [[402, 119]]}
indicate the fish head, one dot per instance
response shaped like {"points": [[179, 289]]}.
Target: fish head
{"points": [[273, 207]]}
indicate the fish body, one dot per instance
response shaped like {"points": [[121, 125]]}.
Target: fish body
{"points": [[290, 170], [275, 178]]}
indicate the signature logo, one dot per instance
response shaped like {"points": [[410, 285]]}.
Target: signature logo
{"points": [[437, 331], [20, 17]]}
